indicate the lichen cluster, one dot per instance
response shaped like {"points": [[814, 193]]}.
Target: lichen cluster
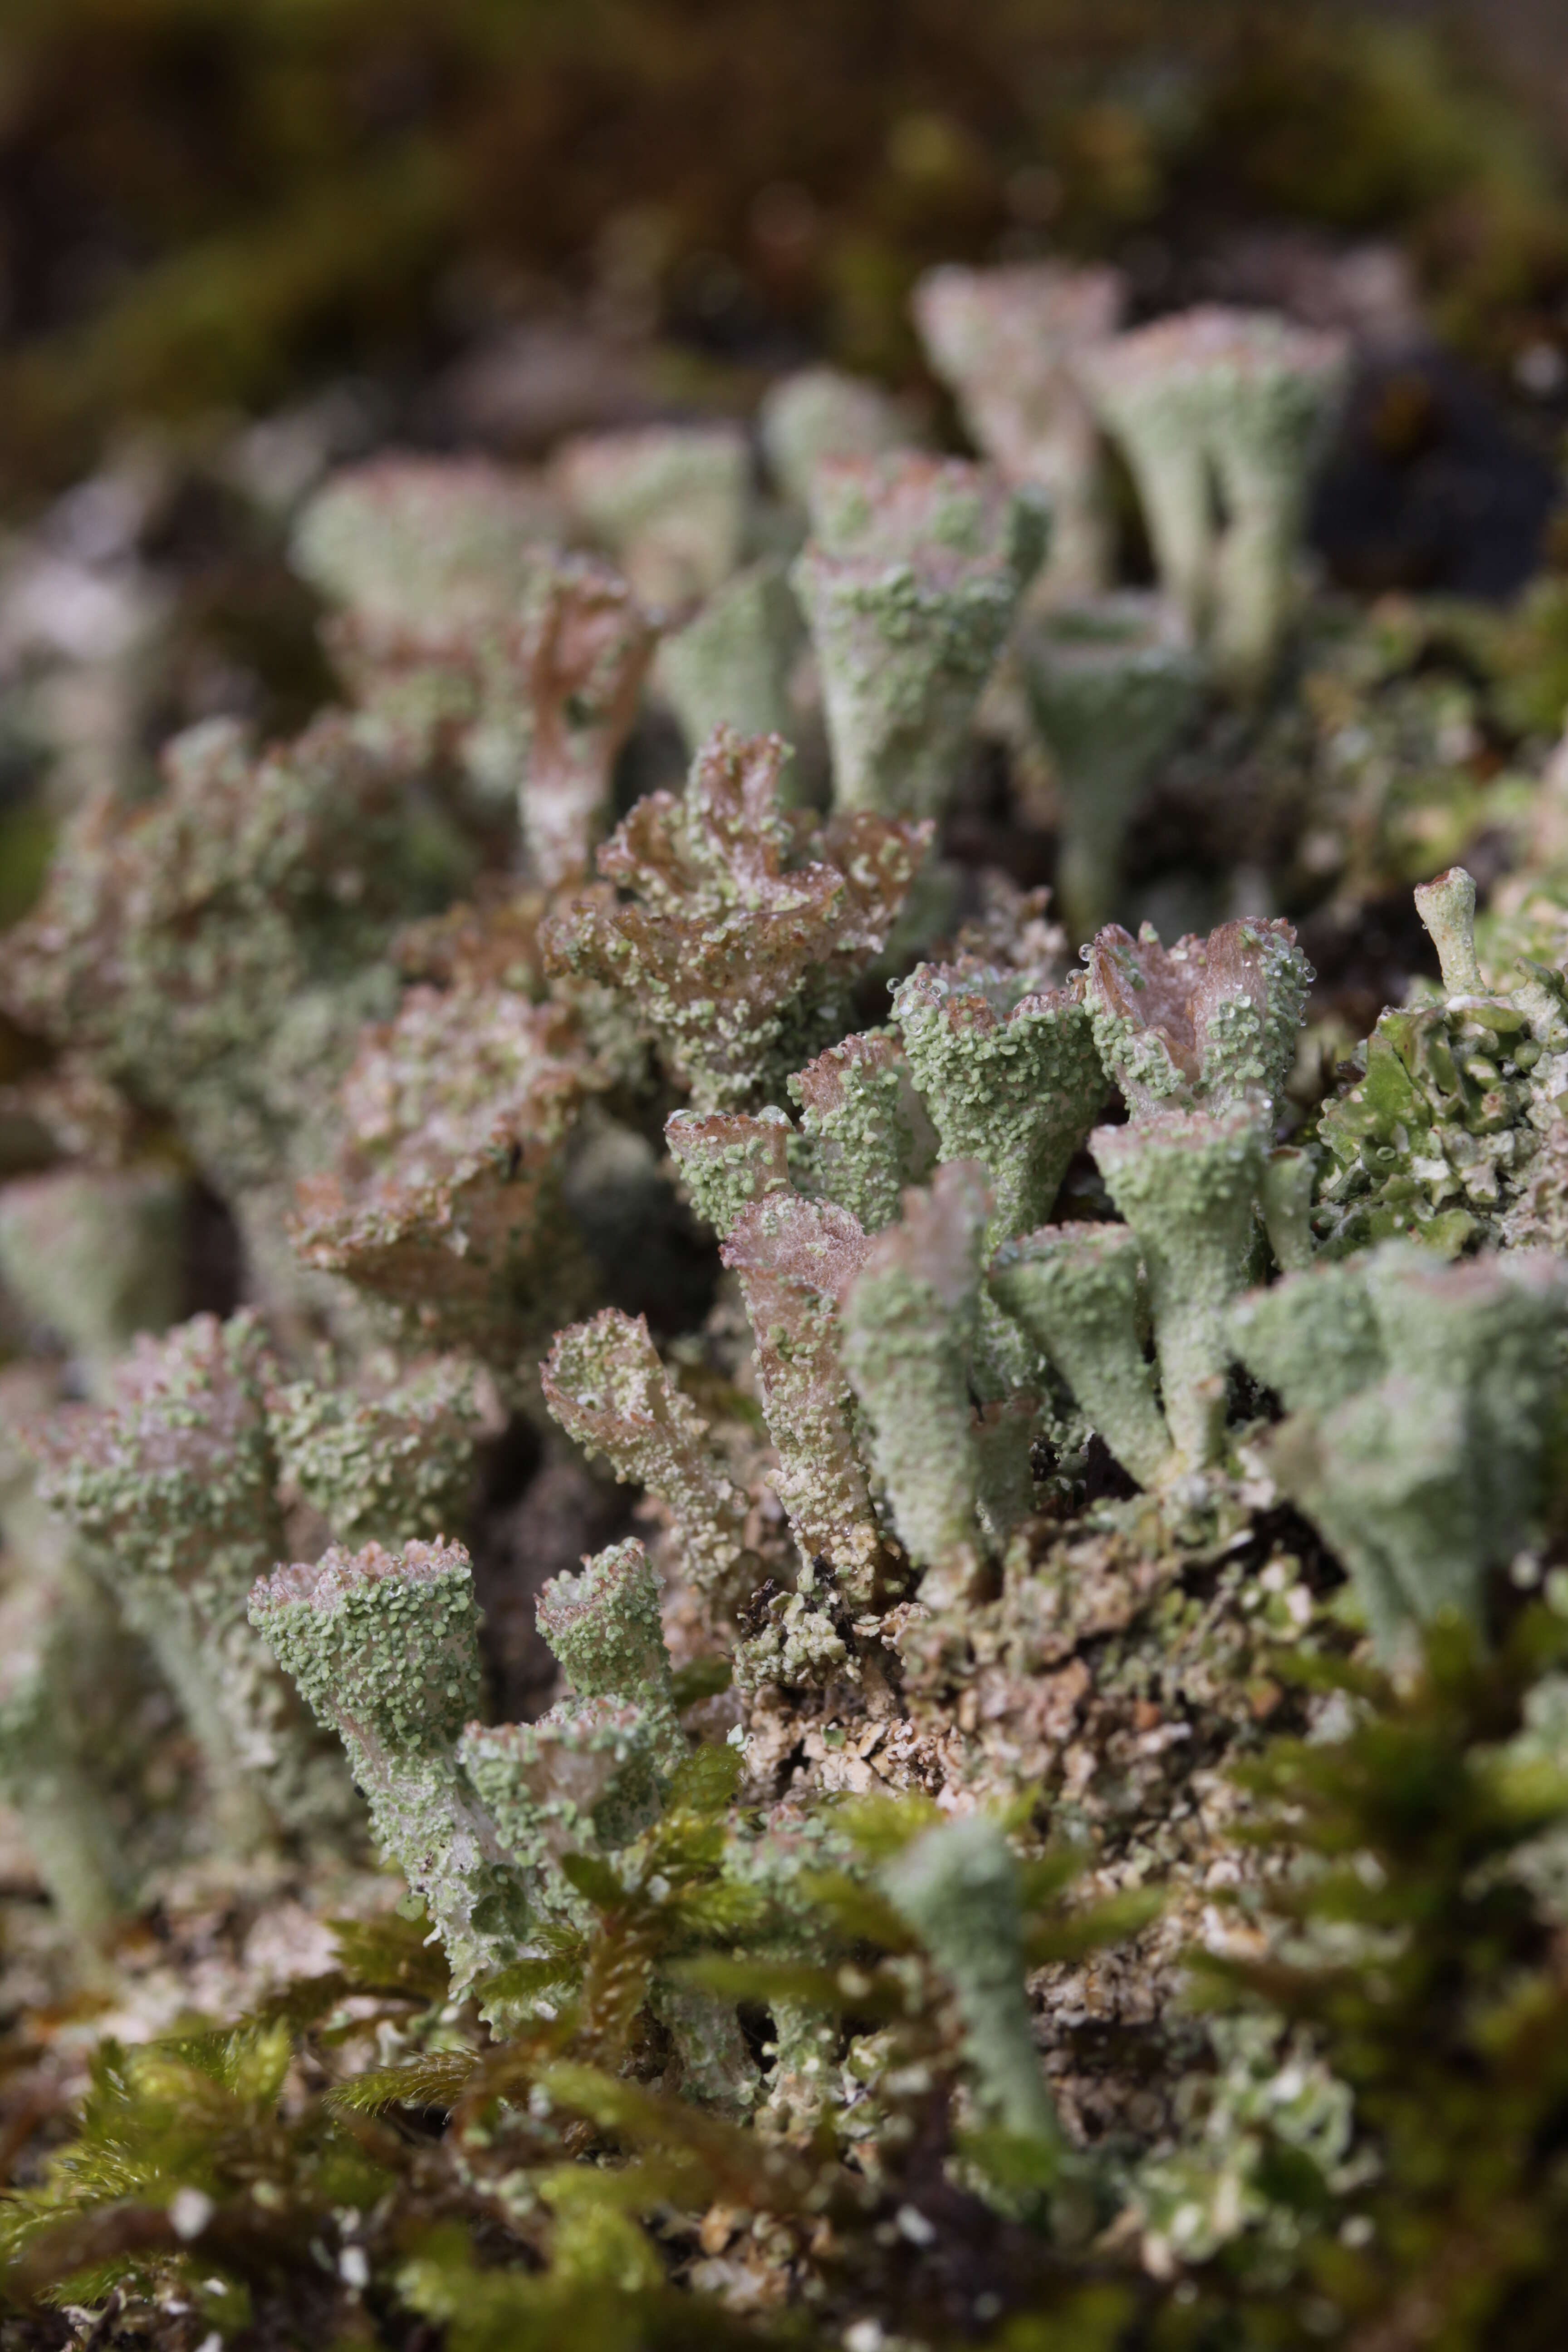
{"points": [[1030, 1497]]}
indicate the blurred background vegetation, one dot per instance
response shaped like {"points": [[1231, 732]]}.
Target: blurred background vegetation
{"points": [[213, 205]]}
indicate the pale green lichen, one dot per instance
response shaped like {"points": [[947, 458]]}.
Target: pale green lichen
{"points": [[605, 1385], [910, 582], [1011, 1078], [1009, 1075], [1267, 2097], [603, 1623], [1286, 1196], [446, 1198], [414, 545], [1188, 1185], [1448, 908], [728, 1158], [1005, 341], [1111, 685], [585, 1778], [731, 665], [217, 950], [1313, 1339], [957, 1885], [1223, 413], [1423, 1413], [431, 568], [45, 1775], [383, 1467], [94, 1256], [797, 1645], [909, 1323], [384, 1648], [1077, 1291], [173, 1486], [747, 923], [796, 1260], [670, 503], [1209, 1024], [868, 1130], [978, 1615], [818, 414]]}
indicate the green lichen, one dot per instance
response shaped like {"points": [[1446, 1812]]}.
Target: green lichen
{"points": [[957, 1885], [383, 1468], [603, 1623], [1006, 339], [45, 1773], [797, 1260], [728, 1158], [798, 1646], [1009, 1075], [1209, 1024], [383, 1648], [1188, 1185], [1077, 1290], [909, 583], [1112, 684], [447, 1197], [818, 414], [864, 1123], [217, 951], [605, 1385], [1313, 1338], [417, 546], [730, 666], [585, 1778], [94, 1257], [1422, 1414], [173, 1486], [1436, 1132], [1224, 411], [1289, 1182], [786, 2016], [747, 925], [910, 1322], [668, 502]]}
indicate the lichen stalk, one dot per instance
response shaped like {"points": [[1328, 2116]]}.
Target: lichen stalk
{"points": [[909, 583], [605, 1385], [957, 1885], [173, 1484], [910, 1320], [44, 1775], [1111, 686], [1005, 341], [730, 666], [384, 1648], [586, 650], [1224, 411], [796, 1260], [602, 1622], [1188, 1185], [1075, 1289]]}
